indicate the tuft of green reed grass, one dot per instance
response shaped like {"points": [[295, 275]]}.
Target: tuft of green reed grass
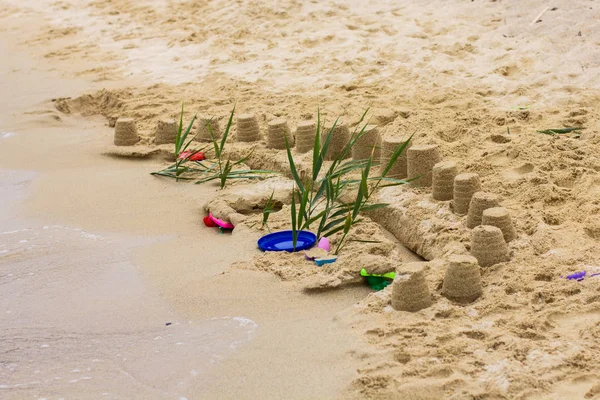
{"points": [[267, 210], [181, 166], [224, 169], [319, 201]]}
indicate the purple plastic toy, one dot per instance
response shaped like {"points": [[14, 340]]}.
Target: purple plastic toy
{"points": [[578, 276]]}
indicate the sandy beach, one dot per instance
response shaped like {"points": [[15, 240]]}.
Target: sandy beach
{"points": [[113, 287]]}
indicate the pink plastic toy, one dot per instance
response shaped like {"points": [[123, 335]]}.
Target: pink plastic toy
{"points": [[324, 244], [220, 222]]}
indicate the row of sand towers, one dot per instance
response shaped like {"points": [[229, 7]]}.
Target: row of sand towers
{"points": [[491, 224], [248, 130]]}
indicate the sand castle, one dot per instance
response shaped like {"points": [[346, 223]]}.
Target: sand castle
{"points": [[500, 218], [420, 162], [409, 289], [388, 147], [465, 186], [166, 131], [462, 282], [277, 132], [203, 133], [480, 202], [305, 136], [369, 143], [248, 129], [125, 132], [339, 139], [488, 245], [443, 175]]}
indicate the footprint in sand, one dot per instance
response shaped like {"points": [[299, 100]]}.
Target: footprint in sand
{"points": [[514, 174]]}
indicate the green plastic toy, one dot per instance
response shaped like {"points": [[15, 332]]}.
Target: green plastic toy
{"points": [[378, 281]]}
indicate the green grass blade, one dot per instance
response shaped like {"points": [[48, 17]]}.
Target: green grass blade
{"points": [[303, 214], [334, 231], [319, 194], [179, 131], [293, 165], [554, 131], [315, 217], [227, 129], [250, 171], [334, 223], [268, 208], [359, 197], [395, 156], [319, 162], [186, 133], [317, 147], [294, 226], [207, 179]]}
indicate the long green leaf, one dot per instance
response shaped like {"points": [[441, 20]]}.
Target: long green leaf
{"points": [[250, 171], [339, 229], [317, 148], [347, 149], [554, 131], [268, 209], [293, 165], [319, 163], [227, 128], [395, 156], [334, 223], [185, 135], [225, 174], [179, 131], [294, 227], [365, 178], [359, 196], [302, 214], [319, 194], [314, 218]]}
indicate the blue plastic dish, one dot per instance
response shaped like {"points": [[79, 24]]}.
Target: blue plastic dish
{"points": [[283, 241]]}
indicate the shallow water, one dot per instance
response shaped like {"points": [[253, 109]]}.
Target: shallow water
{"points": [[76, 317]]}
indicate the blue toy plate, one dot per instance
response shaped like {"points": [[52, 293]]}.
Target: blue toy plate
{"points": [[283, 241]]}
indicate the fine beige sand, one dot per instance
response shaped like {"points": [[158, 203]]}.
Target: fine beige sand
{"points": [[113, 288]]}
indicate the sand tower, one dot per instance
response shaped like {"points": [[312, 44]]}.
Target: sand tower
{"points": [[166, 131], [443, 175], [339, 139], [488, 245], [125, 132], [500, 218], [388, 147], [480, 202], [305, 136], [465, 186], [248, 129], [409, 289], [369, 143], [420, 162], [277, 131], [203, 131], [462, 282]]}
